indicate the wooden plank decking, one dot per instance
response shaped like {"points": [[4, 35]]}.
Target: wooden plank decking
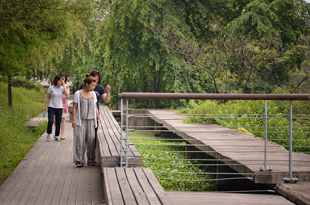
{"points": [[109, 142], [199, 198], [47, 175], [133, 186]]}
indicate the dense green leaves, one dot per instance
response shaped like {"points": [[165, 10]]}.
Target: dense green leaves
{"points": [[35, 33], [131, 53], [203, 46], [244, 46]]}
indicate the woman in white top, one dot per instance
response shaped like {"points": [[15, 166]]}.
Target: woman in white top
{"points": [[55, 106], [85, 118]]}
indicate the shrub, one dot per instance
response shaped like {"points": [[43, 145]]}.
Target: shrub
{"points": [[23, 82], [249, 114]]}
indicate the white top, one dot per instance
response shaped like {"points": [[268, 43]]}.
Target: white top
{"points": [[76, 99], [56, 95]]}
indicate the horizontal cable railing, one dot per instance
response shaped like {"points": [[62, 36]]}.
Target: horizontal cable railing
{"points": [[201, 153]]}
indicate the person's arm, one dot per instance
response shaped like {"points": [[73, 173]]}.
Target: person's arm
{"points": [[106, 96], [75, 105], [66, 91], [48, 97], [98, 117]]}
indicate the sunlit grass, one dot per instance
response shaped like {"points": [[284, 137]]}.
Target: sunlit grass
{"points": [[15, 139]]}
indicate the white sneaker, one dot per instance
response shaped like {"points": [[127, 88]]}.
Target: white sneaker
{"points": [[57, 139], [48, 138]]}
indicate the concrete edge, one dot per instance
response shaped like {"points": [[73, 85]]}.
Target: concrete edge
{"points": [[289, 193]]}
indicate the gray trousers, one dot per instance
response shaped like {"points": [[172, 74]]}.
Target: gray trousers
{"points": [[84, 139]]}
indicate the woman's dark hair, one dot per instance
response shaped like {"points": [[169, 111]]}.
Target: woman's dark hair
{"points": [[89, 79], [95, 73], [56, 79], [64, 75]]}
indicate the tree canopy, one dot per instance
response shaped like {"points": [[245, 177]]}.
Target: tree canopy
{"points": [[34, 33], [203, 46], [239, 46]]}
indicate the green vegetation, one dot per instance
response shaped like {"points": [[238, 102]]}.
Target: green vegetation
{"points": [[15, 139], [197, 46], [171, 46], [39, 38], [163, 157], [249, 115], [175, 46], [23, 82]]}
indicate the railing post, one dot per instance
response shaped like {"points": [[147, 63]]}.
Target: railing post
{"points": [[290, 140], [121, 137], [290, 178], [127, 133], [266, 136]]}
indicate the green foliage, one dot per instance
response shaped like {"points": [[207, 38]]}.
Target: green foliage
{"points": [[132, 57], [248, 116], [23, 82], [239, 46], [41, 38], [197, 46], [35, 29], [15, 139], [264, 17], [155, 152]]}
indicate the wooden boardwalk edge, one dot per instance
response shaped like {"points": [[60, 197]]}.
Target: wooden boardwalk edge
{"points": [[109, 140], [133, 186]]}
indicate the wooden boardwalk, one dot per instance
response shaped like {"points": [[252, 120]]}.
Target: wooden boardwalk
{"points": [[199, 198], [133, 186], [47, 175], [109, 142], [243, 153]]}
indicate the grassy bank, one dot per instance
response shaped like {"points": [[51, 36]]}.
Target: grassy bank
{"points": [[15, 139]]}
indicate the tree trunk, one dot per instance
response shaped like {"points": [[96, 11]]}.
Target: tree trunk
{"points": [[154, 90], [156, 86], [10, 91], [144, 89]]}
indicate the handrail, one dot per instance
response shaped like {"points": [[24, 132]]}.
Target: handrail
{"points": [[216, 96]]}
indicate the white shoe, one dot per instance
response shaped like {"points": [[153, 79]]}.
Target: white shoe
{"points": [[57, 139], [48, 138]]}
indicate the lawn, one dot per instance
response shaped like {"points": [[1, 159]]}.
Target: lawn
{"points": [[15, 139]]}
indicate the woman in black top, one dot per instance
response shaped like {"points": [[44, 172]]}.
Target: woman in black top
{"points": [[99, 89]]}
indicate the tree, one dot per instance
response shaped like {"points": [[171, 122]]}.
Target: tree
{"points": [[200, 46], [300, 77], [260, 17], [132, 55], [34, 32], [248, 54]]}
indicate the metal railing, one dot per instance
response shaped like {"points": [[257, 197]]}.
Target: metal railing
{"points": [[265, 97]]}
